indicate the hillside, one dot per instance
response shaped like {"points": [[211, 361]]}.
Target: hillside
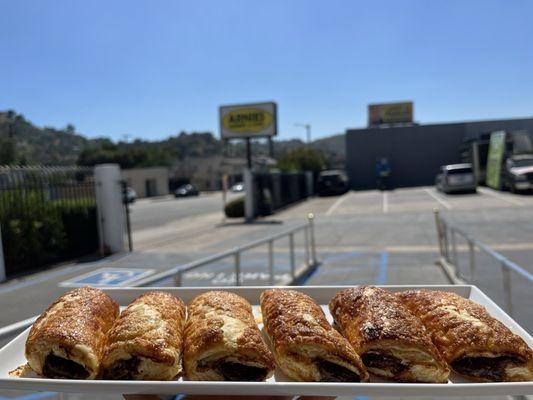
{"points": [[53, 146]]}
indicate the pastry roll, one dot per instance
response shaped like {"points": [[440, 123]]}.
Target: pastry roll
{"points": [[223, 342], [391, 341], [473, 343], [68, 339], [146, 341], [306, 346]]}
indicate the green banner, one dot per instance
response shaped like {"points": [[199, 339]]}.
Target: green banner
{"points": [[495, 158]]}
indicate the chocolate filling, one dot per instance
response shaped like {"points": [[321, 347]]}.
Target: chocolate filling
{"points": [[491, 368], [58, 367], [384, 361], [331, 372], [123, 369], [232, 371]]}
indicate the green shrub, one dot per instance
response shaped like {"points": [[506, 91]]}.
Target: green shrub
{"points": [[37, 232], [32, 232], [235, 208]]}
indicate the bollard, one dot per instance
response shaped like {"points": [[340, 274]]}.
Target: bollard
{"points": [[291, 249]]}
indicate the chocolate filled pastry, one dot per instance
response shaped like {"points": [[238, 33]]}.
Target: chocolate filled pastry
{"points": [[223, 342], [306, 346], [146, 341], [472, 342], [68, 339], [391, 341]]}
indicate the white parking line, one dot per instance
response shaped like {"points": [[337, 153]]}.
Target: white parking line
{"points": [[337, 203], [385, 202], [495, 194], [438, 198]]}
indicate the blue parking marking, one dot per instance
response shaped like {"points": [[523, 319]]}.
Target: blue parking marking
{"points": [[383, 267], [108, 277], [32, 396]]}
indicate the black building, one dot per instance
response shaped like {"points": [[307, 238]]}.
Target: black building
{"points": [[416, 152]]}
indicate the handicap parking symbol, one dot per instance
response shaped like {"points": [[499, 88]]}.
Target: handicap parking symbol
{"points": [[108, 277]]}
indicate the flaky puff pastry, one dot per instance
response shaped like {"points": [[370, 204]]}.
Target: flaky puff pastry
{"points": [[306, 347], [474, 344], [223, 342], [391, 341], [68, 339], [146, 341]]}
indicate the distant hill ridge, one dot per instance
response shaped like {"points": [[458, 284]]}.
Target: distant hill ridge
{"points": [[53, 146]]}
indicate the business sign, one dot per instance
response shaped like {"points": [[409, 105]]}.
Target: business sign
{"points": [[495, 159], [390, 113], [248, 120]]}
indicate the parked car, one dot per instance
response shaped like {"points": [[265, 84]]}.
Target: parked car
{"points": [[130, 195], [517, 173], [238, 187], [332, 182], [186, 191], [456, 178]]}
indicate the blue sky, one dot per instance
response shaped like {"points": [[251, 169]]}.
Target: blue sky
{"points": [[153, 68]]}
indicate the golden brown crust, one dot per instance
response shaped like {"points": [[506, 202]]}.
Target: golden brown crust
{"points": [[302, 336], [460, 327], [221, 326], [376, 322], [74, 327], [149, 331]]}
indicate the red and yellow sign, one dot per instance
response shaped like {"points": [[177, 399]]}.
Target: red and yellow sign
{"points": [[390, 113]]}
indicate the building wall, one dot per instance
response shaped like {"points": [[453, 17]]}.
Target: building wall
{"points": [[415, 152], [137, 179]]}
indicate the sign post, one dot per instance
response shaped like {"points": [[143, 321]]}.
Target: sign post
{"points": [[248, 121]]}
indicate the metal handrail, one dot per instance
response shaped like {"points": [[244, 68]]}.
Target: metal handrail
{"points": [[446, 234], [309, 248]]}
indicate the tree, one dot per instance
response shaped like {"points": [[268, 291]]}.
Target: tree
{"points": [[302, 159], [8, 154], [70, 129]]}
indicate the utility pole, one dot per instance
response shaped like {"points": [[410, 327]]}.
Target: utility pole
{"points": [[307, 131]]}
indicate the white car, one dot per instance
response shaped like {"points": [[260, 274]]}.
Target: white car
{"points": [[456, 178], [238, 187]]}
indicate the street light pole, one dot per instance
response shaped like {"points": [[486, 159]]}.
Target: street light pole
{"points": [[307, 131]]}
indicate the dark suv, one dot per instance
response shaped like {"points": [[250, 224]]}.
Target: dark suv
{"points": [[332, 182]]}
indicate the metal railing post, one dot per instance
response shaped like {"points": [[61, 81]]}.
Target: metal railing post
{"points": [[306, 245], [472, 259], [291, 249], [445, 240], [271, 261], [438, 225], [507, 287], [311, 218], [454, 251], [237, 268], [178, 278]]}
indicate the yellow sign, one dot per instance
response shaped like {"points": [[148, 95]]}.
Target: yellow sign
{"points": [[248, 120], [390, 113]]}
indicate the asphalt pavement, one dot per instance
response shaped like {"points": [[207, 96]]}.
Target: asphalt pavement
{"points": [[154, 212]]}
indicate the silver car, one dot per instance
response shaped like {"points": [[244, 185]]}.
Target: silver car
{"points": [[456, 178]]}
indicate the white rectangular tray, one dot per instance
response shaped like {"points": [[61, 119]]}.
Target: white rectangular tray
{"points": [[12, 356]]}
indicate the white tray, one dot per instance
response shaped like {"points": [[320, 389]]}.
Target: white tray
{"points": [[12, 356]]}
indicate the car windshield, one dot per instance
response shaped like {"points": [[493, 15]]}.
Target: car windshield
{"points": [[526, 162]]}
